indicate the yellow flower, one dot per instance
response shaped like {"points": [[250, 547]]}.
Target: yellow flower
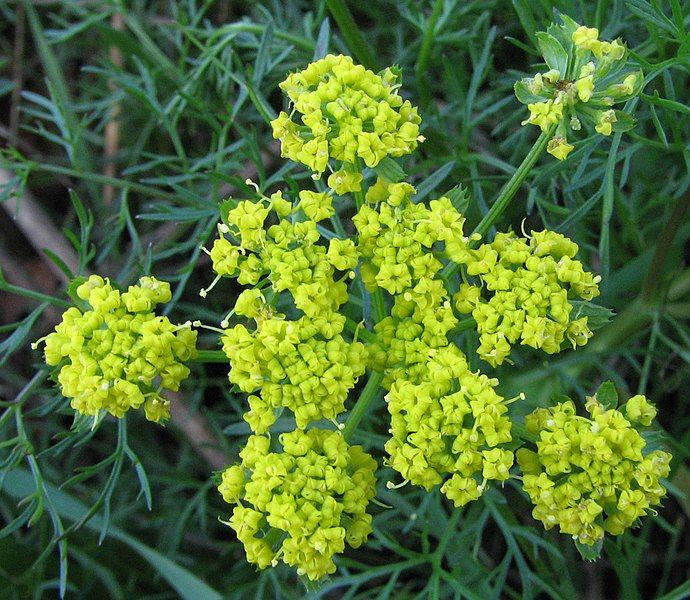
{"points": [[342, 182], [639, 410], [346, 112], [585, 88], [592, 64], [119, 355], [585, 37], [523, 292], [589, 475], [605, 123], [452, 422], [301, 504], [559, 147], [545, 114]]}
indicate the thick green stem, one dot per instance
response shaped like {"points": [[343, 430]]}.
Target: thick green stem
{"points": [[636, 316], [506, 194], [464, 325], [371, 389], [378, 306], [353, 36], [210, 356], [514, 183]]}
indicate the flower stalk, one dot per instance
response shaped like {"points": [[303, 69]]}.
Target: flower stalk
{"points": [[507, 193], [370, 391]]}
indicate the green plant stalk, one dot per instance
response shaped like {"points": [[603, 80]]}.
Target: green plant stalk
{"points": [[353, 36], [464, 325], [656, 268], [514, 183], [114, 181], [359, 330], [210, 356], [629, 322], [20, 291], [506, 194], [425, 50], [636, 316], [378, 306], [371, 389]]}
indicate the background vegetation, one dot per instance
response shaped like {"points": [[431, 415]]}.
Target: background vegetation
{"points": [[124, 124]]}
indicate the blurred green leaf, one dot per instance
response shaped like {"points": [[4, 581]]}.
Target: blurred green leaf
{"points": [[607, 395], [590, 552], [19, 484]]}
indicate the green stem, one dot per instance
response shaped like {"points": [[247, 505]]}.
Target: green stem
{"points": [[96, 178], [20, 291], [378, 306], [506, 194], [359, 330], [514, 183], [656, 267], [210, 356], [425, 50], [378, 303], [464, 325], [359, 196], [353, 36], [371, 389], [635, 318], [678, 310]]}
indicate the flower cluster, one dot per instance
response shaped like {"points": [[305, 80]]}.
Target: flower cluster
{"points": [[524, 293], [454, 424], [449, 427], [347, 113], [288, 254], [300, 497], [414, 332], [292, 365], [396, 236], [302, 504], [586, 78], [591, 475], [305, 364], [120, 355]]}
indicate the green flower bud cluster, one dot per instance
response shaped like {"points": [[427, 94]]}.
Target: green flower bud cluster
{"points": [[448, 425], [591, 475], [119, 355], [305, 364], [524, 293], [454, 424], [301, 504], [293, 365], [347, 113], [414, 332], [586, 77], [287, 253], [396, 236]]}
